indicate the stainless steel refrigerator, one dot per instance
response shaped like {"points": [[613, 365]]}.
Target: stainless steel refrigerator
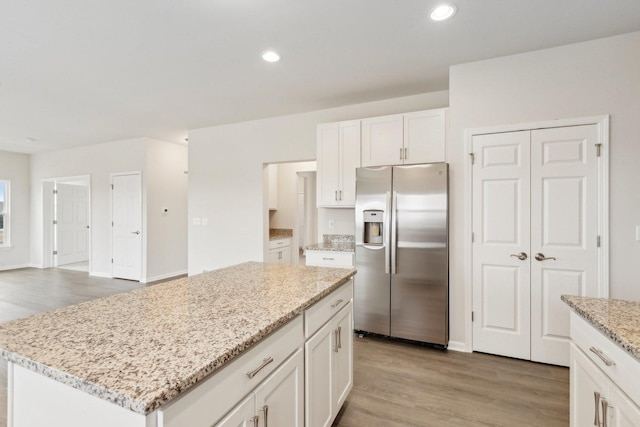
{"points": [[402, 257]]}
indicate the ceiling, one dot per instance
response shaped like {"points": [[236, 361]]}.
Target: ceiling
{"points": [[75, 72]]}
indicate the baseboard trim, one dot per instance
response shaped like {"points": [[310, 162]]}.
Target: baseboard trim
{"points": [[163, 276], [14, 267], [457, 346], [100, 274]]}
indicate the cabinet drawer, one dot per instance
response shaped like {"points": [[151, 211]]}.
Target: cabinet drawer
{"points": [[279, 243], [329, 259], [319, 313], [215, 396], [624, 371]]}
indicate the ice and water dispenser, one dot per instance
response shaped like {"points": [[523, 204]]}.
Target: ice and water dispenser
{"points": [[373, 229]]}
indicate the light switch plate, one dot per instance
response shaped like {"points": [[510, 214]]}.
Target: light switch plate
{"points": [[205, 220], [196, 221]]}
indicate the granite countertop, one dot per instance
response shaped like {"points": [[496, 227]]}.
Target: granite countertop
{"points": [[332, 246], [617, 319], [280, 233], [142, 348]]}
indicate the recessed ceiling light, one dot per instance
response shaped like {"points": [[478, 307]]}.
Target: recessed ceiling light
{"points": [[443, 12], [271, 56]]}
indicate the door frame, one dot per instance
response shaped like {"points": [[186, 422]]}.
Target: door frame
{"points": [[602, 122], [48, 214], [143, 222]]}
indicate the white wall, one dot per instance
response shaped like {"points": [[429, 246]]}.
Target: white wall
{"points": [[226, 176], [286, 216], [343, 220], [99, 161], [166, 187], [15, 168], [585, 79]]}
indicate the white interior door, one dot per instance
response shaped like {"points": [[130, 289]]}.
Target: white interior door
{"points": [[501, 281], [536, 193], [127, 226], [564, 186], [72, 223]]}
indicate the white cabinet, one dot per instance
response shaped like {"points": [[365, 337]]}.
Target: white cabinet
{"points": [[279, 251], [338, 147], [329, 368], [329, 259], [410, 138], [273, 186], [604, 380], [278, 401]]}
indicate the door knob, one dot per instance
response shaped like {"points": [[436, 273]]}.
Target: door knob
{"points": [[521, 256], [135, 232], [541, 257]]}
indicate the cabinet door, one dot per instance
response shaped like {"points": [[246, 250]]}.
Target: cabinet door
{"points": [[622, 411], [274, 255], [424, 136], [349, 161], [585, 380], [343, 358], [328, 179], [280, 398], [243, 415], [285, 255], [319, 360], [382, 139]]}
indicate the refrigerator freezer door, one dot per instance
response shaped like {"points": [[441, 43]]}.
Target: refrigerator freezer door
{"points": [[419, 287], [371, 292]]}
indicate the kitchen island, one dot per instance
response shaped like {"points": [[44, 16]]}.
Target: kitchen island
{"points": [[604, 362], [185, 352]]}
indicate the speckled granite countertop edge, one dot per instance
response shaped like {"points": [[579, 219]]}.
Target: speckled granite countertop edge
{"points": [[332, 247], [145, 407], [591, 316]]}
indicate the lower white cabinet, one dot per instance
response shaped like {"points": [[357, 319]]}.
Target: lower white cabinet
{"points": [[329, 259], [605, 390], [329, 368], [280, 251], [278, 401]]}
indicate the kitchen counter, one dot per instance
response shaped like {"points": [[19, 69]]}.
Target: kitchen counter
{"points": [[280, 233], [141, 349], [333, 246], [617, 319]]}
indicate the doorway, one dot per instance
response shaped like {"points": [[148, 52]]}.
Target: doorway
{"points": [[307, 215], [67, 223], [538, 224]]}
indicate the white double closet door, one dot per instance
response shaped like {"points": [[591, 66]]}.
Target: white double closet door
{"points": [[535, 224]]}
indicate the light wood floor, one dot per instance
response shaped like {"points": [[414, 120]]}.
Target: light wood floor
{"points": [[395, 383]]}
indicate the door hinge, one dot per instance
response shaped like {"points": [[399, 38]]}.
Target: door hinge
{"points": [[473, 316], [598, 149], [55, 252], [55, 191], [598, 241], [473, 158], [55, 222]]}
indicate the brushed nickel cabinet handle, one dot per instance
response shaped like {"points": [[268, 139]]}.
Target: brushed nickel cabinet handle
{"points": [[337, 303], [602, 357], [339, 336], [335, 340], [336, 196], [596, 417], [254, 420], [400, 153], [605, 407], [265, 409], [328, 259], [405, 153], [265, 362], [340, 193]]}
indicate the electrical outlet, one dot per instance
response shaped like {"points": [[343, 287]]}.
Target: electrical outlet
{"points": [[332, 224]]}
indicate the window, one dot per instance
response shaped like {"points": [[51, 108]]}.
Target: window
{"points": [[4, 213]]}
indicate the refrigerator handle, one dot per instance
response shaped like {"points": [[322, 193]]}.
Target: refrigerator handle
{"points": [[387, 233], [394, 230]]}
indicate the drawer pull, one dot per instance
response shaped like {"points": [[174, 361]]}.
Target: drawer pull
{"points": [[265, 362], [254, 420], [602, 357], [337, 303], [265, 409], [328, 259], [596, 416], [605, 407], [335, 340], [339, 337]]}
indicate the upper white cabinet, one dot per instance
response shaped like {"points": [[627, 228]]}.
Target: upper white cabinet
{"points": [[409, 138], [338, 158]]}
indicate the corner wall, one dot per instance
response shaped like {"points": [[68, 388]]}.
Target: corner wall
{"points": [[585, 79], [226, 175], [15, 168]]}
